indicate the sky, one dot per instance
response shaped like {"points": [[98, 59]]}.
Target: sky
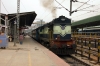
{"points": [[48, 9]]}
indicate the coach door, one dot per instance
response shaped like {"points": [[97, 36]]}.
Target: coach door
{"points": [[50, 34]]}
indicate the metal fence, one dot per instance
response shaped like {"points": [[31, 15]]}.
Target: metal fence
{"points": [[88, 45]]}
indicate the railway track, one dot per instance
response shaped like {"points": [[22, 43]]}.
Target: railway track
{"points": [[76, 60]]}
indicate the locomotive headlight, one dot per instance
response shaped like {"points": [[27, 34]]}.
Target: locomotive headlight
{"points": [[68, 45], [62, 19]]}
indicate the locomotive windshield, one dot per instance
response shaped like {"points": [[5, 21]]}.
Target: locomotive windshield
{"points": [[62, 30]]}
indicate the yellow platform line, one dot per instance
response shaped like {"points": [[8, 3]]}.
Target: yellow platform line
{"points": [[29, 59]]}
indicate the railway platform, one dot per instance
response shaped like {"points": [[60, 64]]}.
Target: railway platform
{"points": [[30, 53]]}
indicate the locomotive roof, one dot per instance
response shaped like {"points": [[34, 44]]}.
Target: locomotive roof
{"points": [[60, 18], [56, 20]]}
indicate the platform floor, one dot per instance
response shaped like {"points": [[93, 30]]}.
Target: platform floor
{"points": [[30, 53]]}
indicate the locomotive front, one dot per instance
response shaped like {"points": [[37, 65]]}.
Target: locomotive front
{"points": [[62, 44]]}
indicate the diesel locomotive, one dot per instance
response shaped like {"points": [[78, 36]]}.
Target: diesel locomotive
{"points": [[56, 35]]}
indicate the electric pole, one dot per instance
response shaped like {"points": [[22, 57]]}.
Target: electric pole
{"points": [[70, 7], [18, 18], [0, 11]]}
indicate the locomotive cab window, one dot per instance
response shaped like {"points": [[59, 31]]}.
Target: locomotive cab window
{"points": [[62, 29]]}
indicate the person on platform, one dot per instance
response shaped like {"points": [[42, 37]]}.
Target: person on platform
{"points": [[21, 37]]}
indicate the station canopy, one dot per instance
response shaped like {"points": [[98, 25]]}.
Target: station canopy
{"points": [[25, 19], [92, 21]]}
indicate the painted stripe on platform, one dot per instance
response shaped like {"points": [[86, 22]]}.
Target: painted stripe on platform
{"points": [[29, 59]]}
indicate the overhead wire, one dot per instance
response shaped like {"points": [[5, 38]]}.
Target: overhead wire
{"points": [[43, 13], [81, 5], [46, 9], [95, 10], [83, 14], [77, 8], [86, 3], [62, 6], [79, 15], [23, 5], [4, 7], [85, 7], [88, 10]]}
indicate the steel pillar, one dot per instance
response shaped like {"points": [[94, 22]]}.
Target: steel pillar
{"points": [[6, 24]]}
